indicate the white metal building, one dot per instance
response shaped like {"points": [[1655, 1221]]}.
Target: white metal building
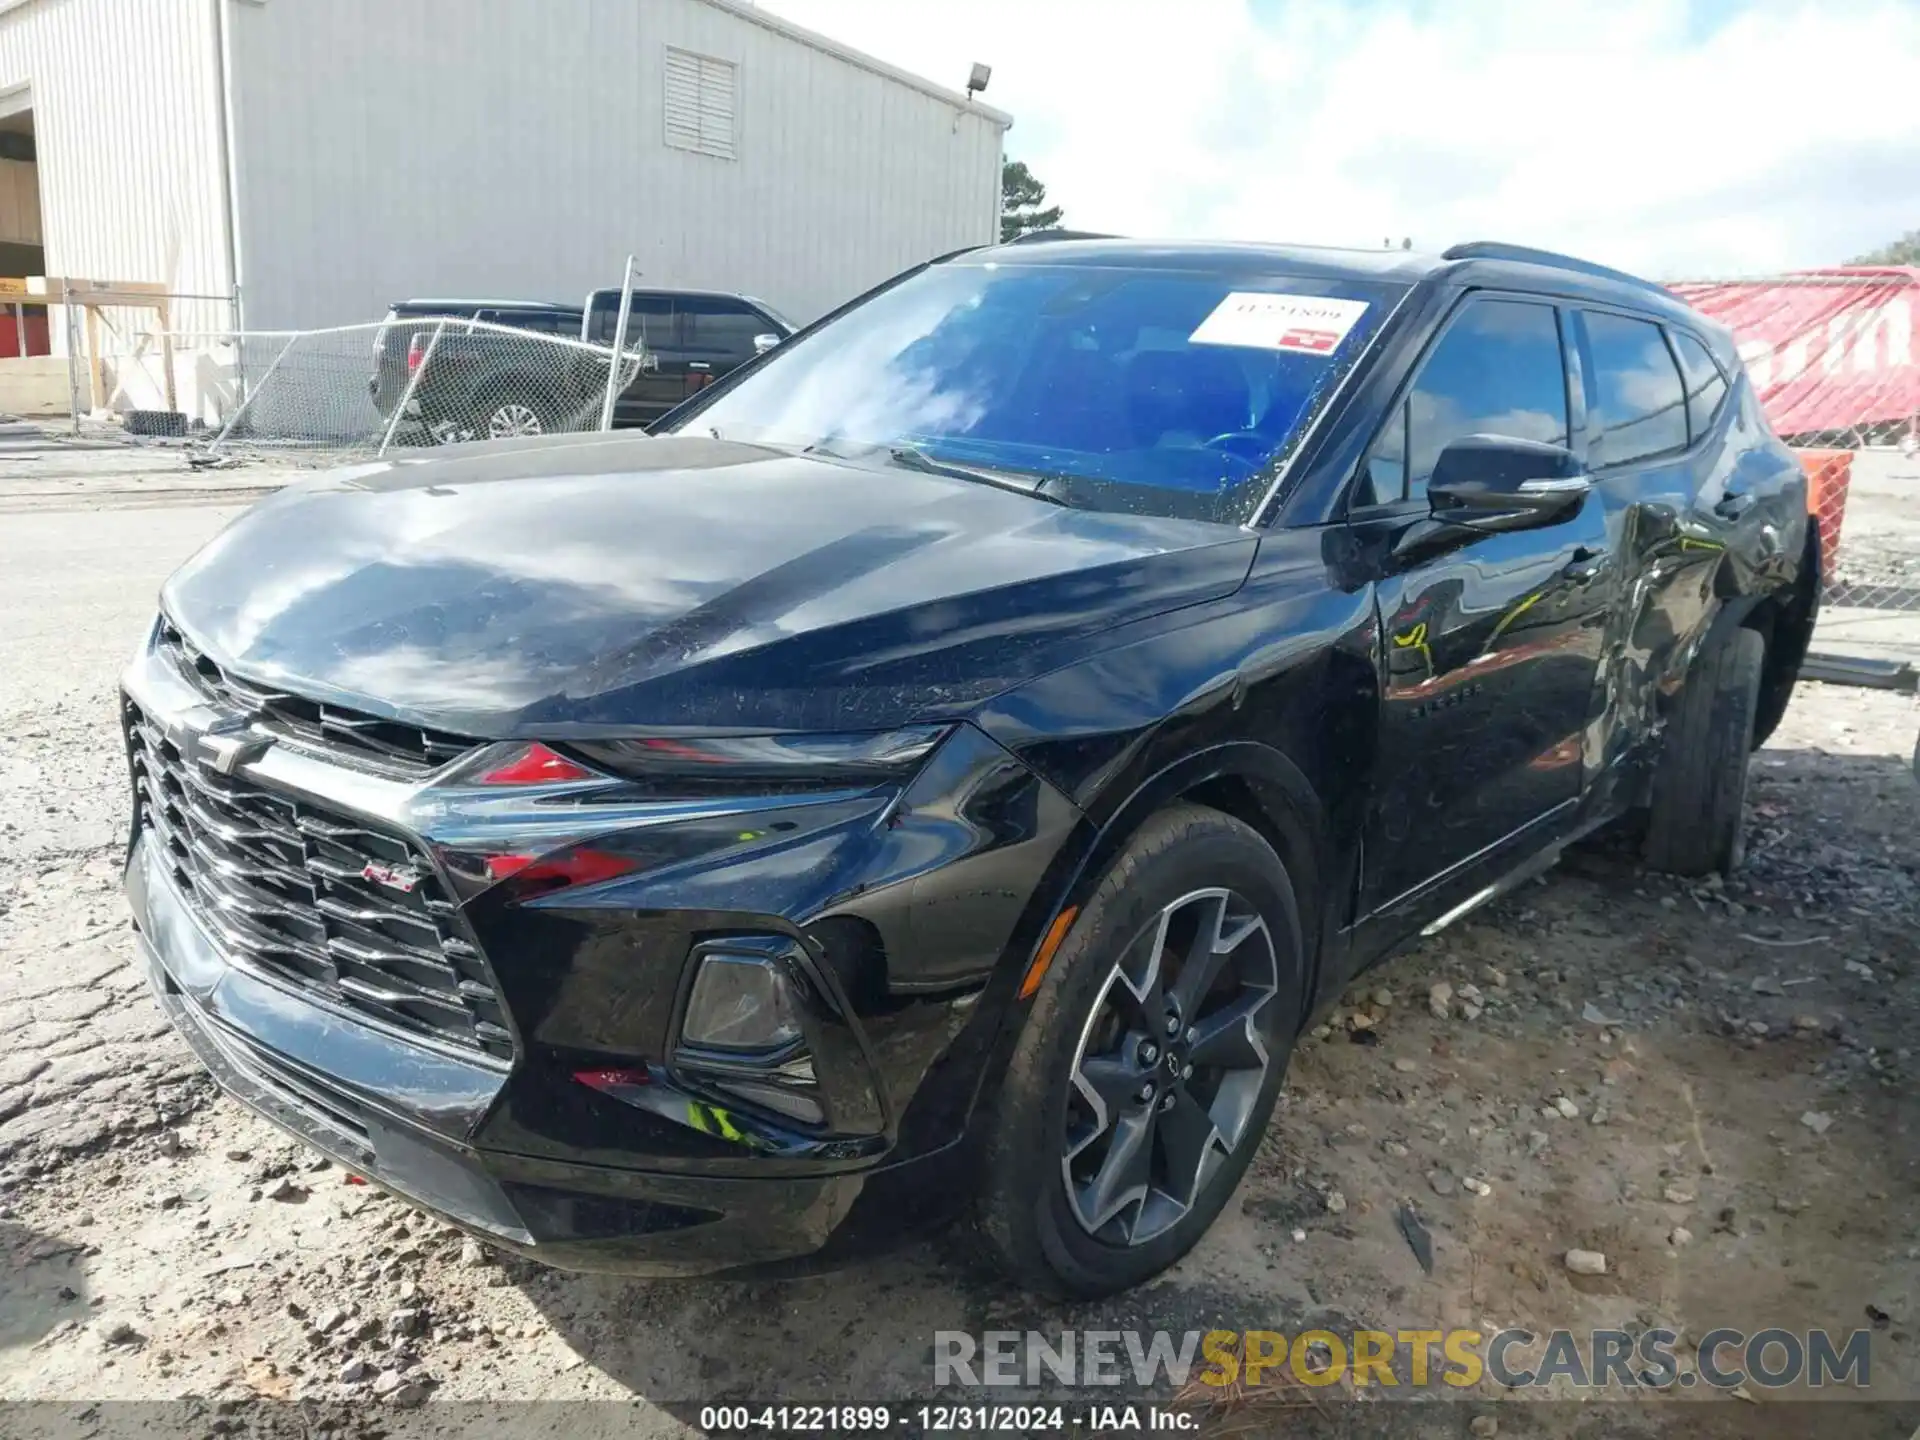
{"points": [[323, 158]]}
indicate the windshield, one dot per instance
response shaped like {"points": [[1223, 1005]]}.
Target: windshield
{"points": [[777, 316], [1151, 391]]}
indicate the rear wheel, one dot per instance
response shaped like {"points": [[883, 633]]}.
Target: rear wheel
{"points": [[509, 418], [503, 407], [1149, 1064], [1697, 822], [1787, 639]]}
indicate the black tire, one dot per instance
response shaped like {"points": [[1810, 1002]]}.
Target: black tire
{"points": [[1024, 1208], [501, 406], [1787, 641], [1697, 823], [156, 422], [533, 412], [444, 420]]}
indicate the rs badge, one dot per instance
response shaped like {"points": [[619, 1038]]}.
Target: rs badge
{"points": [[395, 877]]}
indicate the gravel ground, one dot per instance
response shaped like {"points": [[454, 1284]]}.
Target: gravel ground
{"points": [[1879, 550], [1710, 1084]]}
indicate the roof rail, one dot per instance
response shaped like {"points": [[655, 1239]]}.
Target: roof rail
{"points": [[1527, 255], [1040, 237]]}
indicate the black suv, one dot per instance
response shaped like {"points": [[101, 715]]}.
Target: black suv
{"points": [[949, 767], [688, 340]]}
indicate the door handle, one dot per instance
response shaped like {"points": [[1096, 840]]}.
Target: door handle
{"points": [[1587, 564]]}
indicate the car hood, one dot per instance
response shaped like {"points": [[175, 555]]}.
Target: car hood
{"points": [[587, 584]]}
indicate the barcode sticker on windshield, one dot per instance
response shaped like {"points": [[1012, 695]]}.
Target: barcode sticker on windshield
{"points": [[1307, 324]]}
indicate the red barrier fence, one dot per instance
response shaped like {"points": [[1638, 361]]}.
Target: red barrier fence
{"points": [[1828, 351], [1834, 358]]}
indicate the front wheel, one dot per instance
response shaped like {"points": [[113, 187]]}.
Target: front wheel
{"points": [[1697, 822], [1150, 1062]]}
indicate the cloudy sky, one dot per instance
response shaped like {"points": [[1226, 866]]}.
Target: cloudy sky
{"points": [[1675, 137]]}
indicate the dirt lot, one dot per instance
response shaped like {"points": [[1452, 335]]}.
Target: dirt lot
{"points": [[1879, 546], [1713, 1085]]}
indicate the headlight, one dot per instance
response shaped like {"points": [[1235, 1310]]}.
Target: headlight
{"points": [[147, 638], [731, 762]]}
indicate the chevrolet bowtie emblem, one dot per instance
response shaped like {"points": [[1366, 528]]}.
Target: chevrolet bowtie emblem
{"points": [[228, 744]]}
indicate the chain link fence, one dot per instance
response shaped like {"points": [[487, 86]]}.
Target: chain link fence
{"points": [[1832, 356], [109, 354], [364, 389]]}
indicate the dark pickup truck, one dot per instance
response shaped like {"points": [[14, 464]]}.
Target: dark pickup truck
{"points": [[477, 380], [458, 412], [690, 339]]}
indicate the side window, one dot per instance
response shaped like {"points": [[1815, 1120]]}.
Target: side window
{"points": [[724, 329], [1706, 386], [650, 320], [1638, 407], [1498, 370], [657, 320]]}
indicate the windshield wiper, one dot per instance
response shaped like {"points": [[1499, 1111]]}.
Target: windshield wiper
{"points": [[911, 457]]}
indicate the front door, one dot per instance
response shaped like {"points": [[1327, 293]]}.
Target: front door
{"points": [[720, 332], [1489, 651]]}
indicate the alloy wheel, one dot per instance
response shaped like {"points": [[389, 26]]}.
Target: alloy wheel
{"points": [[513, 418], [1170, 1066]]}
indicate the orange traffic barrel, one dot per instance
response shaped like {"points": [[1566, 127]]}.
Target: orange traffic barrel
{"points": [[1829, 472]]}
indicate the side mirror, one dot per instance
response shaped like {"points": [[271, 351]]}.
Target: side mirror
{"points": [[764, 343], [1498, 483]]}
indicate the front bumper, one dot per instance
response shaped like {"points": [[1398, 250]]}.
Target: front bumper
{"points": [[906, 904], [383, 1107], [469, 1079]]}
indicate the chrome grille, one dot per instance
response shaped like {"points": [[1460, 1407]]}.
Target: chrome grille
{"points": [[287, 887], [349, 736]]}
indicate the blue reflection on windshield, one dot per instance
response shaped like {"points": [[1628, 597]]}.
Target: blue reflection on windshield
{"points": [[1080, 373]]}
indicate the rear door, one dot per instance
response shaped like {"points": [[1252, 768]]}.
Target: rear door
{"points": [[1489, 650], [654, 323], [1649, 461]]}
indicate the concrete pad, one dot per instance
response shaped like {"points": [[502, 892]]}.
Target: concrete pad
{"points": [[1875, 634]]}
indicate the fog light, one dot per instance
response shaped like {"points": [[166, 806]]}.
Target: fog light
{"points": [[740, 1002]]}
